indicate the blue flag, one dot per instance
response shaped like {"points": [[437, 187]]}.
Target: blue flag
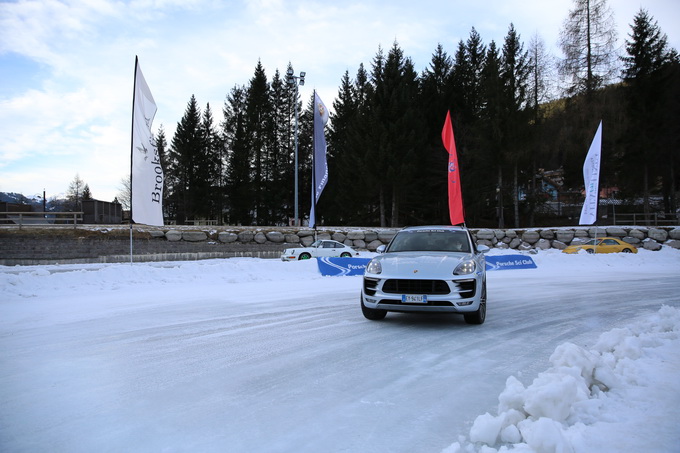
{"points": [[320, 170]]}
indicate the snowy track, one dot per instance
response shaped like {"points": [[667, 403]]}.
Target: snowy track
{"points": [[263, 356]]}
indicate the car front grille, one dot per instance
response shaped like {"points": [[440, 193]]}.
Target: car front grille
{"points": [[402, 286]]}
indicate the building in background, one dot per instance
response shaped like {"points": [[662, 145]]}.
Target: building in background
{"points": [[102, 212]]}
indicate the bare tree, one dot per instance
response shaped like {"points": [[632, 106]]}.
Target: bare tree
{"points": [[588, 41], [542, 80], [542, 88], [74, 194], [125, 193]]}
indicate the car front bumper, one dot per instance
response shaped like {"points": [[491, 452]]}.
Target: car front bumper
{"points": [[459, 295]]}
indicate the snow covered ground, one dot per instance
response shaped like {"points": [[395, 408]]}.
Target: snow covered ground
{"points": [[581, 354]]}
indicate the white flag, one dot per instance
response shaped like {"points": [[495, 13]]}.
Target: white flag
{"points": [[591, 178], [146, 173]]}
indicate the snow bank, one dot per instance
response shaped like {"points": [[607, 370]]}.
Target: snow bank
{"points": [[621, 393], [566, 407], [29, 281]]}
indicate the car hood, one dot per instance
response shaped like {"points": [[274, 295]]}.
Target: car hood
{"points": [[421, 264]]}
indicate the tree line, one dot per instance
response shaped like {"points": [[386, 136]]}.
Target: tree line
{"points": [[387, 164]]}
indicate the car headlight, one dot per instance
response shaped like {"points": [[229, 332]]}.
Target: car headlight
{"points": [[374, 267], [464, 268]]}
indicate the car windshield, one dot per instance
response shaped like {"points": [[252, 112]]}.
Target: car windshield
{"points": [[430, 241]]}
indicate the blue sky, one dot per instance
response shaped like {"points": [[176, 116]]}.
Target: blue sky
{"points": [[66, 67]]}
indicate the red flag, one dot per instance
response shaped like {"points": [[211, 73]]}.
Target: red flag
{"points": [[455, 193]]}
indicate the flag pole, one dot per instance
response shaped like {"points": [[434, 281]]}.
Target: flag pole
{"points": [[132, 145]]}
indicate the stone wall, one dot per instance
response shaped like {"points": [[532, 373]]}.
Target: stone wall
{"points": [[560, 238], [112, 244], [370, 239]]}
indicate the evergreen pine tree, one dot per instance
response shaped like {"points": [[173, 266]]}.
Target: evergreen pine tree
{"points": [[280, 169], [515, 74], [342, 199], [457, 84], [258, 120], [394, 133], [435, 100], [162, 147], [467, 102], [87, 194], [183, 169], [647, 84], [350, 199], [208, 166], [237, 143], [494, 141], [475, 58]]}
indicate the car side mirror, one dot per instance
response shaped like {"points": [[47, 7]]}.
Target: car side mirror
{"points": [[381, 249], [483, 248]]}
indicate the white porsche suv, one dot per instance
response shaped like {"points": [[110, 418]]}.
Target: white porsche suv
{"points": [[427, 269]]}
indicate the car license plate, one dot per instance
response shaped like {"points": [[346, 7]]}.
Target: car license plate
{"points": [[409, 299]]}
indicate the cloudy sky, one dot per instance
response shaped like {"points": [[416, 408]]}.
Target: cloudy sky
{"points": [[66, 67]]}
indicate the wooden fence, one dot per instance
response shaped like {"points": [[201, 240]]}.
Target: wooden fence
{"points": [[27, 219], [640, 218]]}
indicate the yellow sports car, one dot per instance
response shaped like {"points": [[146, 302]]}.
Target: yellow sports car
{"points": [[602, 245]]}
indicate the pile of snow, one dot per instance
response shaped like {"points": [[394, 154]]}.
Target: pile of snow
{"points": [[590, 400]]}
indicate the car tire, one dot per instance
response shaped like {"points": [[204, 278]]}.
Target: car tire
{"points": [[479, 316], [590, 251], [372, 313], [304, 256], [345, 255], [627, 251]]}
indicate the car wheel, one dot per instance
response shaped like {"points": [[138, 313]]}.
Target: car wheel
{"points": [[372, 313], [345, 255], [590, 250], [305, 256], [626, 251], [479, 316]]}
